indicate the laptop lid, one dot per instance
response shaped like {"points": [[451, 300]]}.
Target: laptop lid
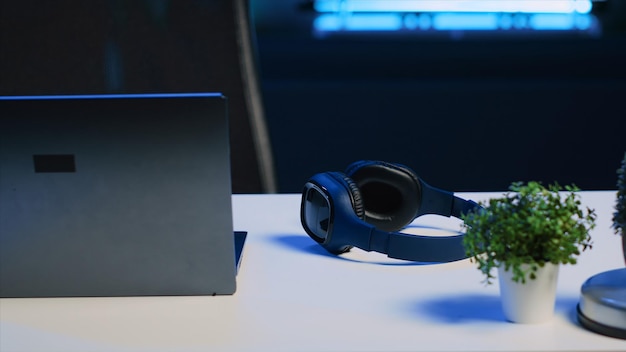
{"points": [[115, 195]]}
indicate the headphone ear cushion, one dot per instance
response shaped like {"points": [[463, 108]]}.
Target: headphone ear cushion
{"points": [[355, 193], [391, 193]]}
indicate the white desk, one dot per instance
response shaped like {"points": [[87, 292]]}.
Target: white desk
{"points": [[292, 296]]}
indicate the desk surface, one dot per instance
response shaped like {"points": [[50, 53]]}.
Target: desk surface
{"points": [[293, 296]]}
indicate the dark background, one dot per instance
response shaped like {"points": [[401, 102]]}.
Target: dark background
{"points": [[466, 114], [137, 46], [469, 112]]}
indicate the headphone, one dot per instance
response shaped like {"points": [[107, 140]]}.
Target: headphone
{"points": [[368, 206]]}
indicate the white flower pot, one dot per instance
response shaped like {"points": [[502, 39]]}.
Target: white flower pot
{"points": [[531, 302]]}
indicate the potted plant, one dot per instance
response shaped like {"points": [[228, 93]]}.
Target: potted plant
{"points": [[526, 234], [619, 216]]}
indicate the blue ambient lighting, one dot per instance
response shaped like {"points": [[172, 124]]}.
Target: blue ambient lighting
{"points": [[506, 6], [373, 22], [453, 15], [452, 22], [463, 21], [109, 96], [361, 22], [328, 23], [551, 22]]}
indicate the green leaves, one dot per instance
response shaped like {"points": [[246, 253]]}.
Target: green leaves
{"points": [[529, 224], [619, 216]]}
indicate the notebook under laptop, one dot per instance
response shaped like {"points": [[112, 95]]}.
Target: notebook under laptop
{"points": [[116, 195]]}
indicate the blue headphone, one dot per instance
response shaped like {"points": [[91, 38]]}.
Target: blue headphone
{"points": [[368, 206]]}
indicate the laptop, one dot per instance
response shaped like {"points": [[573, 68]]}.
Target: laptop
{"points": [[116, 195]]}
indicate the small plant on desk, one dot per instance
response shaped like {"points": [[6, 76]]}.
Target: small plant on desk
{"points": [[526, 234], [619, 216]]}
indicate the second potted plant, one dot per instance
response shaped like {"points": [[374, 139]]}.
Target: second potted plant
{"points": [[619, 216], [526, 234]]}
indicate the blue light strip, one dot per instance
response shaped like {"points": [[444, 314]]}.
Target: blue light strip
{"points": [[458, 21], [551, 22], [499, 6], [452, 21], [110, 96], [373, 22]]}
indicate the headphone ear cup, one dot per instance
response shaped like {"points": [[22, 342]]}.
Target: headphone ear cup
{"points": [[355, 193], [391, 193]]}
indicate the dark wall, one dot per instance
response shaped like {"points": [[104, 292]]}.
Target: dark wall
{"points": [[117, 46], [469, 113], [466, 114]]}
